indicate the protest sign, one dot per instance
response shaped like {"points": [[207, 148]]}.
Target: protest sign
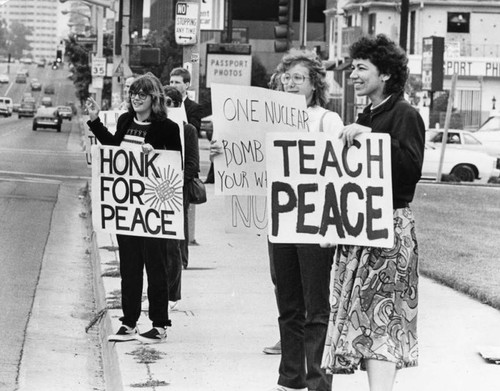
{"points": [[246, 214], [321, 191], [109, 118], [242, 116], [137, 194]]}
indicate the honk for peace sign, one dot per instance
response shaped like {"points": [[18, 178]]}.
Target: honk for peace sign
{"points": [[137, 194]]}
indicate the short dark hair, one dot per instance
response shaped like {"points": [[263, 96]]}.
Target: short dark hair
{"points": [[174, 94], [183, 72], [387, 56]]}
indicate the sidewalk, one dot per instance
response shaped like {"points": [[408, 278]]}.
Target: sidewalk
{"points": [[228, 314]]}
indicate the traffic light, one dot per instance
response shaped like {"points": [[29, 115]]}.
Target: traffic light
{"points": [[283, 31], [59, 55]]}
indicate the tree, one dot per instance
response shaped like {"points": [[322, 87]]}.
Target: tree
{"points": [[78, 56], [170, 52], [17, 42]]}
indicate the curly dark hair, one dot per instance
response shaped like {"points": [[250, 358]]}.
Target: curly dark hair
{"points": [[387, 56], [317, 72], [151, 85]]}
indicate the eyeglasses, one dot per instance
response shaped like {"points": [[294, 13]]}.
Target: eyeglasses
{"points": [[297, 78], [139, 95]]}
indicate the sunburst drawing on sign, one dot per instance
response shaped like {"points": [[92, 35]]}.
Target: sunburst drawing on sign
{"points": [[165, 191]]}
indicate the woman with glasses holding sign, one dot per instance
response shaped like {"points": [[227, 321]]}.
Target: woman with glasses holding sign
{"points": [[375, 290], [147, 127], [302, 271]]}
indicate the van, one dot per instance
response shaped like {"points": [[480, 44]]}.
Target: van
{"points": [[7, 101]]}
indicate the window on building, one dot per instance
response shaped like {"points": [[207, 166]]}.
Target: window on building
{"points": [[372, 21], [458, 22]]}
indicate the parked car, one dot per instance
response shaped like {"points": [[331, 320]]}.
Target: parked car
{"points": [[489, 134], [47, 117], [41, 63], [207, 126], [467, 166], [4, 79], [35, 85], [27, 109], [4, 110], [49, 89], [46, 101], [65, 112], [71, 104], [457, 139]]}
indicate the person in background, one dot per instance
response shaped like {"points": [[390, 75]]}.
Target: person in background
{"points": [[180, 78], [302, 271], [191, 170], [374, 325], [126, 87], [145, 127]]}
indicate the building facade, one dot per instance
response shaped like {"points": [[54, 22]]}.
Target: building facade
{"points": [[41, 17], [470, 30]]}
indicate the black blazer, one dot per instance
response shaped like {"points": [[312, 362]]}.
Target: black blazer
{"points": [[193, 113], [163, 134]]}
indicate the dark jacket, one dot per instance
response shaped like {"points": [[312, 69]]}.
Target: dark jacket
{"points": [[193, 113], [407, 130], [191, 153], [162, 135]]}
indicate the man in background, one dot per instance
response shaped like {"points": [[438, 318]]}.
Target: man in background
{"points": [[180, 78]]}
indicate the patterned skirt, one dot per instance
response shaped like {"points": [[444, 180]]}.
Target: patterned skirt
{"points": [[374, 302]]}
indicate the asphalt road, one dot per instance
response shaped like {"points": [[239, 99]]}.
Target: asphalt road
{"points": [[34, 168]]}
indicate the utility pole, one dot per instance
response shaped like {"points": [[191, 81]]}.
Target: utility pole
{"points": [[403, 28], [303, 24]]}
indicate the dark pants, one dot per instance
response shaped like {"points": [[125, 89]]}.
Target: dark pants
{"points": [[185, 243], [302, 274], [174, 269], [135, 253]]}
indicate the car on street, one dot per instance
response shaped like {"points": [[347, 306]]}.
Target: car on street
{"points": [[21, 78], [457, 139], [27, 109], [8, 102], [47, 117], [49, 89], [65, 112], [4, 79], [4, 110], [15, 107], [466, 166], [46, 101], [489, 134], [35, 85]]}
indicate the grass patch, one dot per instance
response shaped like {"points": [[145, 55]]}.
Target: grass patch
{"points": [[457, 232]]}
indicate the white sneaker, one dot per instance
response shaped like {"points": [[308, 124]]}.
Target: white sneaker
{"points": [[124, 333], [155, 335]]}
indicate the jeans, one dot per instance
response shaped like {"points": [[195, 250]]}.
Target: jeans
{"points": [[135, 253], [302, 274]]}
